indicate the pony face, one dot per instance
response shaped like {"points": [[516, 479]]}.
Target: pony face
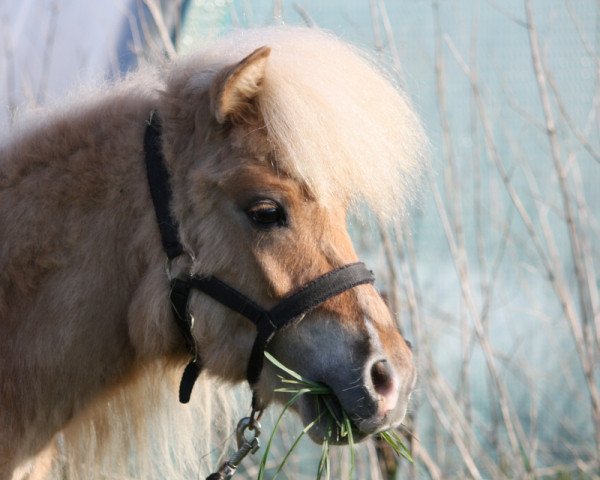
{"points": [[274, 237], [261, 227]]}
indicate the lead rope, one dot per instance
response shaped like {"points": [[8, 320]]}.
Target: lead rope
{"points": [[246, 445]]}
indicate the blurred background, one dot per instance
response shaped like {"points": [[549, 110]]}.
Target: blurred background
{"points": [[494, 277]]}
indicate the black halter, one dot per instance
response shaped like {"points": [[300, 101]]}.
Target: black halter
{"points": [[267, 322]]}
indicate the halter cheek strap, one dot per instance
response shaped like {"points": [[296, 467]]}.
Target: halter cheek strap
{"points": [[291, 308]]}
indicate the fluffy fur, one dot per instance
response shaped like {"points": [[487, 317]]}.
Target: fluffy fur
{"points": [[87, 345]]}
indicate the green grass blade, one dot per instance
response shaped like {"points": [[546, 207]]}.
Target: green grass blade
{"points": [[281, 366], [324, 460], [329, 407], [299, 391], [291, 449], [393, 440], [291, 373], [263, 460], [296, 385], [348, 425]]}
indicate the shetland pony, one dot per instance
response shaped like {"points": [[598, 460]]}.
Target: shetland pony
{"points": [[269, 136]]}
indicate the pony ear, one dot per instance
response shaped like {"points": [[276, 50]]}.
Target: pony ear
{"points": [[233, 89]]}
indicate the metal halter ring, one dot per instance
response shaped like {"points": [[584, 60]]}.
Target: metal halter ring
{"points": [[247, 423]]}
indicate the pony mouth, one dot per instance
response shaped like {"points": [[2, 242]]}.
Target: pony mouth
{"points": [[329, 420]]}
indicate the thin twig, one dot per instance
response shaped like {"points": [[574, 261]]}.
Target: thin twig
{"points": [[48, 48], [391, 42], [586, 357], [9, 61], [506, 409], [304, 15], [163, 32]]}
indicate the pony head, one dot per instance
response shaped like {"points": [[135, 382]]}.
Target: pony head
{"points": [[271, 137]]}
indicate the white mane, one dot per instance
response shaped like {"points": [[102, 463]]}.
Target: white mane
{"points": [[340, 124]]}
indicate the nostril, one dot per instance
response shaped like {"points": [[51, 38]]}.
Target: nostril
{"points": [[382, 377]]}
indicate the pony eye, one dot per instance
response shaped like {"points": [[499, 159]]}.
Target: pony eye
{"points": [[266, 214]]}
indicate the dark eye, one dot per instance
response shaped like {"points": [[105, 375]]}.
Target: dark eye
{"points": [[266, 214]]}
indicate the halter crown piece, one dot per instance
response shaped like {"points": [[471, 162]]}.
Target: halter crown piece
{"points": [[267, 322]]}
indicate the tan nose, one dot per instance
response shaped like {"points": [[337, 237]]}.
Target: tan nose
{"points": [[386, 386]]}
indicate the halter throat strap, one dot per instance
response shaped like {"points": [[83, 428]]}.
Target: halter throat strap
{"points": [[290, 309]]}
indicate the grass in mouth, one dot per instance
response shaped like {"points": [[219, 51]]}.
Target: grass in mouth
{"points": [[296, 385]]}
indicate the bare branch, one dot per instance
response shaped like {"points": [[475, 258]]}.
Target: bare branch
{"points": [[48, 48], [9, 61], [163, 31], [586, 356], [304, 15]]}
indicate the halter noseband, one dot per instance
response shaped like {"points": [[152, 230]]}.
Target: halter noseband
{"points": [[267, 322]]}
